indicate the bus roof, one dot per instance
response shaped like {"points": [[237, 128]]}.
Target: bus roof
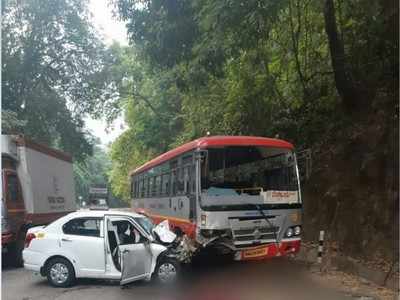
{"points": [[212, 141]]}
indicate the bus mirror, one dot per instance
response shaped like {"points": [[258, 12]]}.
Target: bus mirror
{"points": [[200, 154], [304, 162]]}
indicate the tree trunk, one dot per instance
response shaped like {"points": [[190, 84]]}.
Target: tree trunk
{"points": [[343, 77]]}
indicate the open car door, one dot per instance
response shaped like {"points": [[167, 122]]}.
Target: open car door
{"points": [[136, 262], [135, 254]]}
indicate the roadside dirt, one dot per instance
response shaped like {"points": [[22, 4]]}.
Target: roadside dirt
{"points": [[352, 286]]}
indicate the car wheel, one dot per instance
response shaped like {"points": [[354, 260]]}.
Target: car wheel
{"points": [[60, 272], [167, 271]]}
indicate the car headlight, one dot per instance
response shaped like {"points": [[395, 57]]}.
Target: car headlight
{"points": [[297, 230], [289, 232]]}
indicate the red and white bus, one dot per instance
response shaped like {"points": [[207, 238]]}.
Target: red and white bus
{"points": [[237, 194]]}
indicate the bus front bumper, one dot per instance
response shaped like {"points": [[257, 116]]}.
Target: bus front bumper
{"points": [[283, 248]]}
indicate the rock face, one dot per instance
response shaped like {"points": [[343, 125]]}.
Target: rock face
{"points": [[353, 191]]}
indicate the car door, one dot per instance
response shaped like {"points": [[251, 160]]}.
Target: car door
{"points": [[83, 238], [136, 256]]}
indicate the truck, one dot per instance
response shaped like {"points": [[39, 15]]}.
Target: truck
{"points": [[37, 188], [98, 196]]}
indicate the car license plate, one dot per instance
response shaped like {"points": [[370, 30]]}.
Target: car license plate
{"points": [[255, 252]]}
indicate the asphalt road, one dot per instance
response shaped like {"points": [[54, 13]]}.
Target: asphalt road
{"points": [[274, 279]]}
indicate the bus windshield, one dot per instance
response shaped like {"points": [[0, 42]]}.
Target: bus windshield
{"points": [[249, 171]]}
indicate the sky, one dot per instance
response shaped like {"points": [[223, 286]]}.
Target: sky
{"points": [[111, 30]]}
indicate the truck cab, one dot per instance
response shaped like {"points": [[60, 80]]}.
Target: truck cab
{"points": [[37, 183]]}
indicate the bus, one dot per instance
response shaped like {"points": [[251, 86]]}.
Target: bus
{"points": [[239, 195]]}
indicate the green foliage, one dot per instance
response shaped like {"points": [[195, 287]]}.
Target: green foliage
{"points": [[10, 124], [244, 67], [54, 71]]}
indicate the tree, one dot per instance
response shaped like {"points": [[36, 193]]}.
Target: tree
{"points": [[54, 71], [343, 74]]}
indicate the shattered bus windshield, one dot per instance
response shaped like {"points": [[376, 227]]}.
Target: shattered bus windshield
{"points": [[250, 171]]}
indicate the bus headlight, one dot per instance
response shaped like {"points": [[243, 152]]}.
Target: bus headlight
{"points": [[297, 230], [289, 232], [203, 219]]}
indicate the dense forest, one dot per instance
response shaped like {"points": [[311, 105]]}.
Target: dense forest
{"points": [[302, 69], [320, 74]]}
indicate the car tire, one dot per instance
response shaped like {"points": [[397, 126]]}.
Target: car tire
{"points": [[60, 272], [167, 271]]}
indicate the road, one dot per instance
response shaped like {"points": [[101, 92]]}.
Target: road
{"points": [[275, 279]]}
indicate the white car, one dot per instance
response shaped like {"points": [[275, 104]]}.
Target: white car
{"points": [[103, 244]]}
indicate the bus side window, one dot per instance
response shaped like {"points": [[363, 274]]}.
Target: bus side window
{"points": [[165, 184], [141, 191], [151, 187], [157, 185], [186, 179], [181, 184], [174, 182], [193, 179], [145, 187]]}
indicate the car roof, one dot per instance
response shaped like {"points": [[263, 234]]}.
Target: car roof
{"points": [[102, 213]]}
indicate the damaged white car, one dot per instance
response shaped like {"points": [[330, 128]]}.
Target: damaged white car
{"points": [[114, 245]]}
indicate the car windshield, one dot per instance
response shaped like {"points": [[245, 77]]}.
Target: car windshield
{"points": [[146, 224], [250, 170]]}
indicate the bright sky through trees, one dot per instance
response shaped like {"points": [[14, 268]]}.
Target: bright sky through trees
{"points": [[111, 30]]}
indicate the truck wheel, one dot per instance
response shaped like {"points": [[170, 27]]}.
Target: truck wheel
{"points": [[167, 271], [16, 253], [60, 272]]}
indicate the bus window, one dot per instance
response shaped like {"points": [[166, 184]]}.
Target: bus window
{"points": [[186, 179], [193, 180], [151, 186], [180, 183], [165, 184], [145, 187], [157, 185], [141, 189], [174, 182], [133, 184]]}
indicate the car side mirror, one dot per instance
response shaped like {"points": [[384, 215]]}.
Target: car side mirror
{"points": [[148, 240]]}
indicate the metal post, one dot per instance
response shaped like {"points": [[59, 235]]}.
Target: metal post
{"points": [[320, 246]]}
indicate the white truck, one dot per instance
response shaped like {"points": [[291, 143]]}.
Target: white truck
{"points": [[38, 187]]}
